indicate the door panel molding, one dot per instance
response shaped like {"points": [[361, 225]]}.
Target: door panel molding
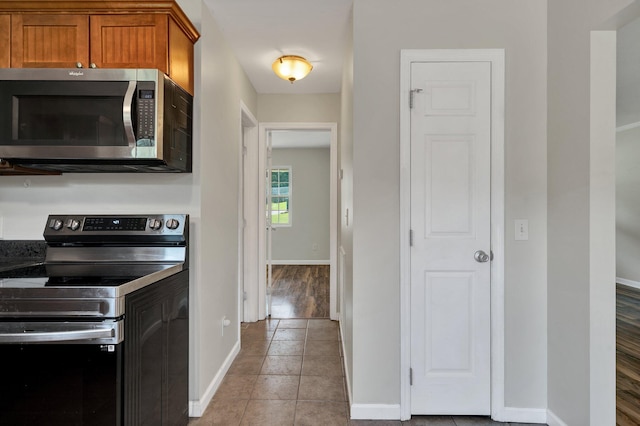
{"points": [[496, 57]]}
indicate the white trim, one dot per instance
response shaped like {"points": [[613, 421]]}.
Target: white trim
{"points": [[496, 58], [247, 216], [333, 208], [553, 420], [197, 408], [523, 415], [302, 262], [628, 283], [602, 220], [375, 411], [347, 373]]}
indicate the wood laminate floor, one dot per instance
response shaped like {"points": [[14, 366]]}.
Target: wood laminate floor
{"points": [[627, 356], [300, 291]]}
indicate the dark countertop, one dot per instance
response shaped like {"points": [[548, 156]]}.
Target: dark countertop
{"points": [[18, 253]]}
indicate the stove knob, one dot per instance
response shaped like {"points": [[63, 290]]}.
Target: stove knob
{"points": [[155, 224], [56, 224], [72, 224], [173, 224]]}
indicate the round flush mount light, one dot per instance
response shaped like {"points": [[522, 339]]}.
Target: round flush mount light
{"points": [[291, 67]]}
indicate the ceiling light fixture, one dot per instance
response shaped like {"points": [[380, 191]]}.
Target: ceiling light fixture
{"points": [[291, 67]]}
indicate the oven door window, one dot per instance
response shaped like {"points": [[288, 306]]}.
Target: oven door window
{"points": [[61, 385]]}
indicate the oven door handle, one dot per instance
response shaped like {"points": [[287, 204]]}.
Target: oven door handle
{"points": [[56, 336]]}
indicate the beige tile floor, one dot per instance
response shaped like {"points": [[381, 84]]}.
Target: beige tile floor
{"points": [[290, 372]]}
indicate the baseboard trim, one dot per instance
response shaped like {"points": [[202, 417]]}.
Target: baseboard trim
{"points": [[553, 420], [196, 408], [628, 283], [523, 415], [375, 411], [301, 262], [347, 374]]}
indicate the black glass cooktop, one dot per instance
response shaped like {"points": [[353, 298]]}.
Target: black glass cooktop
{"points": [[77, 275]]}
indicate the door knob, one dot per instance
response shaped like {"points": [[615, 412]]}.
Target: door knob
{"points": [[481, 257]]}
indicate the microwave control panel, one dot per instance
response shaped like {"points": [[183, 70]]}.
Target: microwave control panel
{"points": [[146, 96]]}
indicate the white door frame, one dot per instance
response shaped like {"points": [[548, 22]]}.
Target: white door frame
{"points": [[259, 293], [496, 58], [248, 215]]}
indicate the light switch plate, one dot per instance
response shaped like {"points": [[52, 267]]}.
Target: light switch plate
{"points": [[521, 229]]}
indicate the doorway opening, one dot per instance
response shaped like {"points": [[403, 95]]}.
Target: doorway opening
{"points": [[277, 214], [627, 239]]}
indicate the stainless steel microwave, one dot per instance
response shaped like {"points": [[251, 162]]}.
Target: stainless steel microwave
{"points": [[94, 120]]}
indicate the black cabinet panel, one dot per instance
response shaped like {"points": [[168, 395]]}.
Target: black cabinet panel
{"points": [[156, 354]]}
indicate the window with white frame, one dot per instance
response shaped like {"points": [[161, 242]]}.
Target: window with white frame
{"points": [[281, 196]]}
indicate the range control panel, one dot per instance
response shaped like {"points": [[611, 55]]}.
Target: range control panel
{"points": [[97, 228]]}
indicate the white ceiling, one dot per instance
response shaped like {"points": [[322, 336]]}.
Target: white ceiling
{"points": [[260, 31]]}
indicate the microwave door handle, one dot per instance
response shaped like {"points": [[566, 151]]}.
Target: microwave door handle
{"points": [[126, 114]]}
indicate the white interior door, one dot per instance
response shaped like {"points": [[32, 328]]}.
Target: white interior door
{"points": [[451, 229]]}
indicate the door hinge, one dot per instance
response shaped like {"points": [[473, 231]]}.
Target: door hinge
{"points": [[411, 376], [410, 237], [411, 93]]}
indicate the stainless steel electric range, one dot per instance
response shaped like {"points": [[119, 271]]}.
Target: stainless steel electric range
{"points": [[98, 333]]}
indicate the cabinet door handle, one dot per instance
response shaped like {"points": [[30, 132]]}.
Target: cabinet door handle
{"points": [[78, 64]]}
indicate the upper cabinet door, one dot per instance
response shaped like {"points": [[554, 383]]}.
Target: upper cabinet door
{"points": [[5, 41], [130, 41], [49, 41]]}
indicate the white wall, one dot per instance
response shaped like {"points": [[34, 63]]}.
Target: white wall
{"points": [[628, 156], [381, 29], [222, 87], [345, 209], [628, 205], [581, 304], [309, 207], [320, 107]]}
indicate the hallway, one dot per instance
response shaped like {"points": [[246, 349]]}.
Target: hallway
{"points": [[290, 372], [287, 372]]}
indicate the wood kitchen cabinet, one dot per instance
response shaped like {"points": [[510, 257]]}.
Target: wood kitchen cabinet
{"points": [[129, 41], [114, 34], [5, 41], [55, 41]]}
